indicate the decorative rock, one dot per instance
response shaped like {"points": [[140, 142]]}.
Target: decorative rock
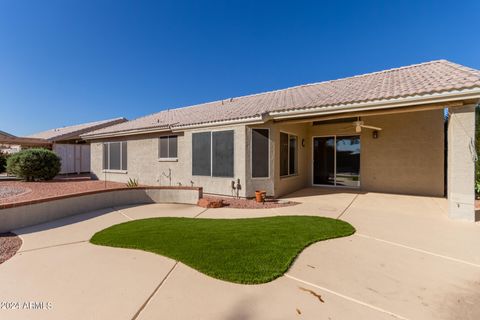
{"points": [[209, 203]]}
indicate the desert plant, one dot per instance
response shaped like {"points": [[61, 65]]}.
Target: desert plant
{"points": [[34, 164], [132, 183]]}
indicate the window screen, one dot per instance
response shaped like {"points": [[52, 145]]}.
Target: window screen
{"points": [[222, 153], [260, 153], [283, 154], [293, 155], [167, 147], [163, 147], [124, 155], [115, 156], [201, 154], [114, 163], [105, 156], [172, 146], [288, 154]]}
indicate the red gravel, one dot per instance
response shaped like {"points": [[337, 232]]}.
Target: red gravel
{"points": [[9, 245], [251, 203], [57, 187]]}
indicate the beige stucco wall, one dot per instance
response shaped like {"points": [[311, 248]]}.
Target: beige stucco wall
{"points": [[143, 163], [276, 185], [461, 164], [285, 185], [407, 157]]}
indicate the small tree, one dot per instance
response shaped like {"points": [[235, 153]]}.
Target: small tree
{"points": [[34, 164]]}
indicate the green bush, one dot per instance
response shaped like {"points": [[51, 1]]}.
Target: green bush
{"points": [[3, 161], [34, 164]]}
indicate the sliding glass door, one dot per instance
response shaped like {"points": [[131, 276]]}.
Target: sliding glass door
{"points": [[324, 160], [336, 161]]}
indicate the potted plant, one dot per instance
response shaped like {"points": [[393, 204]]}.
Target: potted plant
{"points": [[260, 196]]}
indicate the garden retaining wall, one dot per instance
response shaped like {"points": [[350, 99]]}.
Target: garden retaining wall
{"points": [[23, 214]]}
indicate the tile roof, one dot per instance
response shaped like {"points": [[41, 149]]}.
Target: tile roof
{"points": [[438, 76], [6, 134], [72, 132]]}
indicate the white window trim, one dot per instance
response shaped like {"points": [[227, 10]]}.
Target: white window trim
{"points": [[114, 171], [108, 158], [289, 175], [211, 154], [167, 159], [251, 154]]}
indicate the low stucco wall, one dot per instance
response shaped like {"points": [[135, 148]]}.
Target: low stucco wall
{"points": [[15, 216]]}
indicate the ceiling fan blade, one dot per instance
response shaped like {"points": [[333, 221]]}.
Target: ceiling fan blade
{"points": [[371, 127]]}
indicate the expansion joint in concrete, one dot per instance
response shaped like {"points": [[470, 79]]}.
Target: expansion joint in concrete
{"points": [[348, 207], [142, 307]]}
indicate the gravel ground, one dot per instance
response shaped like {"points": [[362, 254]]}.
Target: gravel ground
{"points": [[9, 245], [7, 191], [251, 203], [57, 187]]}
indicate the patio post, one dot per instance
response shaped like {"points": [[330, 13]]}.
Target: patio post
{"points": [[461, 163]]}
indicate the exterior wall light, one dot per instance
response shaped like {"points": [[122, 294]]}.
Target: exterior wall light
{"points": [[375, 134]]}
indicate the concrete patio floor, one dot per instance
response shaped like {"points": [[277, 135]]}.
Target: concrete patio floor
{"points": [[407, 260]]}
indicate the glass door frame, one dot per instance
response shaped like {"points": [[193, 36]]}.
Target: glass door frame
{"points": [[334, 136]]}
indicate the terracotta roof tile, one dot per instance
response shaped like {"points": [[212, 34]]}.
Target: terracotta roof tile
{"points": [[72, 132], [420, 79]]}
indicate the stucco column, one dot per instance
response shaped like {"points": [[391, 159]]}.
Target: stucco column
{"points": [[461, 163]]}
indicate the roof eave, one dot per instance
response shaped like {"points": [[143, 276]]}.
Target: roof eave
{"points": [[444, 97], [124, 133], [246, 121]]}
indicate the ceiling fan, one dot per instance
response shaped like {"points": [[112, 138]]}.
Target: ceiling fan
{"points": [[359, 124]]}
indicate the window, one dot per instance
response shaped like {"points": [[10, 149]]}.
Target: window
{"points": [[201, 153], [167, 147], [260, 153], [212, 154], [115, 156], [288, 154], [222, 153]]}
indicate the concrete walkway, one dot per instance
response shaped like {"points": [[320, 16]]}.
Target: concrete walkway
{"points": [[406, 261]]}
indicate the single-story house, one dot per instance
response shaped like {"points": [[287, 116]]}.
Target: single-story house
{"points": [[385, 131], [69, 146], [10, 143]]}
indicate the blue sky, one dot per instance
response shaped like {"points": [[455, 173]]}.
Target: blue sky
{"points": [[66, 62]]}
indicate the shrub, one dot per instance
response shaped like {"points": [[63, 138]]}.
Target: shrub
{"points": [[3, 161], [34, 164]]}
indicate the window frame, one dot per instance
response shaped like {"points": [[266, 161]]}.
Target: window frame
{"points": [[288, 155], [211, 154], [251, 153], [121, 170], [167, 159]]}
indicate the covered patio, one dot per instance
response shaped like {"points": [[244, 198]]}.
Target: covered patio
{"points": [[421, 150]]}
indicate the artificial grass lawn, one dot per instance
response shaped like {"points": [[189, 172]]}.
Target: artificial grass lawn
{"points": [[255, 250]]}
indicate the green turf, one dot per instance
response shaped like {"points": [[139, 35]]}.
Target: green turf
{"points": [[255, 250]]}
